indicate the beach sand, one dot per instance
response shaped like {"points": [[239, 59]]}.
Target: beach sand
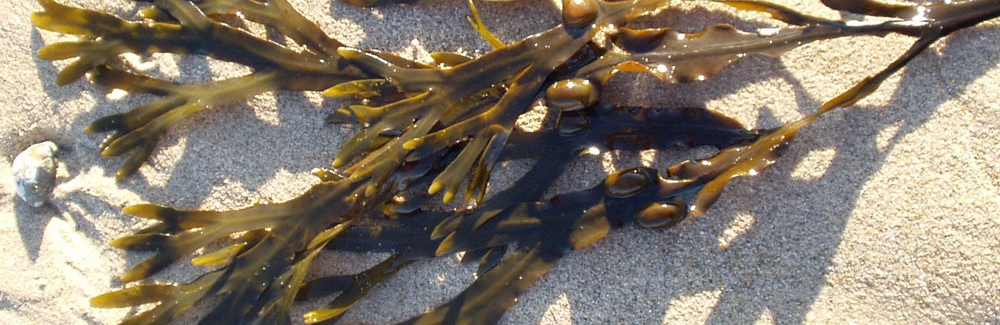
{"points": [[883, 213]]}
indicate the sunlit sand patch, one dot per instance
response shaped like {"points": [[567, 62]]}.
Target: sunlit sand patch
{"points": [[814, 165], [739, 227]]}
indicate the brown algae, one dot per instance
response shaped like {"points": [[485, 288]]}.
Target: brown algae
{"points": [[442, 127]]}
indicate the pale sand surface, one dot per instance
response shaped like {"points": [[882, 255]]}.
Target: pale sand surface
{"points": [[882, 213]]}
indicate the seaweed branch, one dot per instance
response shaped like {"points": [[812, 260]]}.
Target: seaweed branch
{"points": [[437, 126], [189, 31]]}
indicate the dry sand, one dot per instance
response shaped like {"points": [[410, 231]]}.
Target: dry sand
{"points": [[881, 213]]}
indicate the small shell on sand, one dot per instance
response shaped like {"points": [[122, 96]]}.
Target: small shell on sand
{"points": [[35, 173]]}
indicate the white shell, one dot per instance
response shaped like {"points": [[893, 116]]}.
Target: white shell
{"points": [[35, 173]]}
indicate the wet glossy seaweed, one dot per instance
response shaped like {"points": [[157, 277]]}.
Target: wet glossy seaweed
{"points": [[433, 127]]}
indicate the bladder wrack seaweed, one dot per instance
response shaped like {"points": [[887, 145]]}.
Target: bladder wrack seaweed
{"points": [[429, 128]]}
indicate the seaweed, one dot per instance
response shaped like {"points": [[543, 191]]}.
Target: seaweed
{"points": [[181, 27], [429, 128]]}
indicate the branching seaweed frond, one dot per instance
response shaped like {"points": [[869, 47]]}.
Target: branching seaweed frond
{"points": [[261, 274], [437, 126], [182, 27], [475, 102]]}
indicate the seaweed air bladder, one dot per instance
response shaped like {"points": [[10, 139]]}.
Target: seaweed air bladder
{"points": [[436, 131]]}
